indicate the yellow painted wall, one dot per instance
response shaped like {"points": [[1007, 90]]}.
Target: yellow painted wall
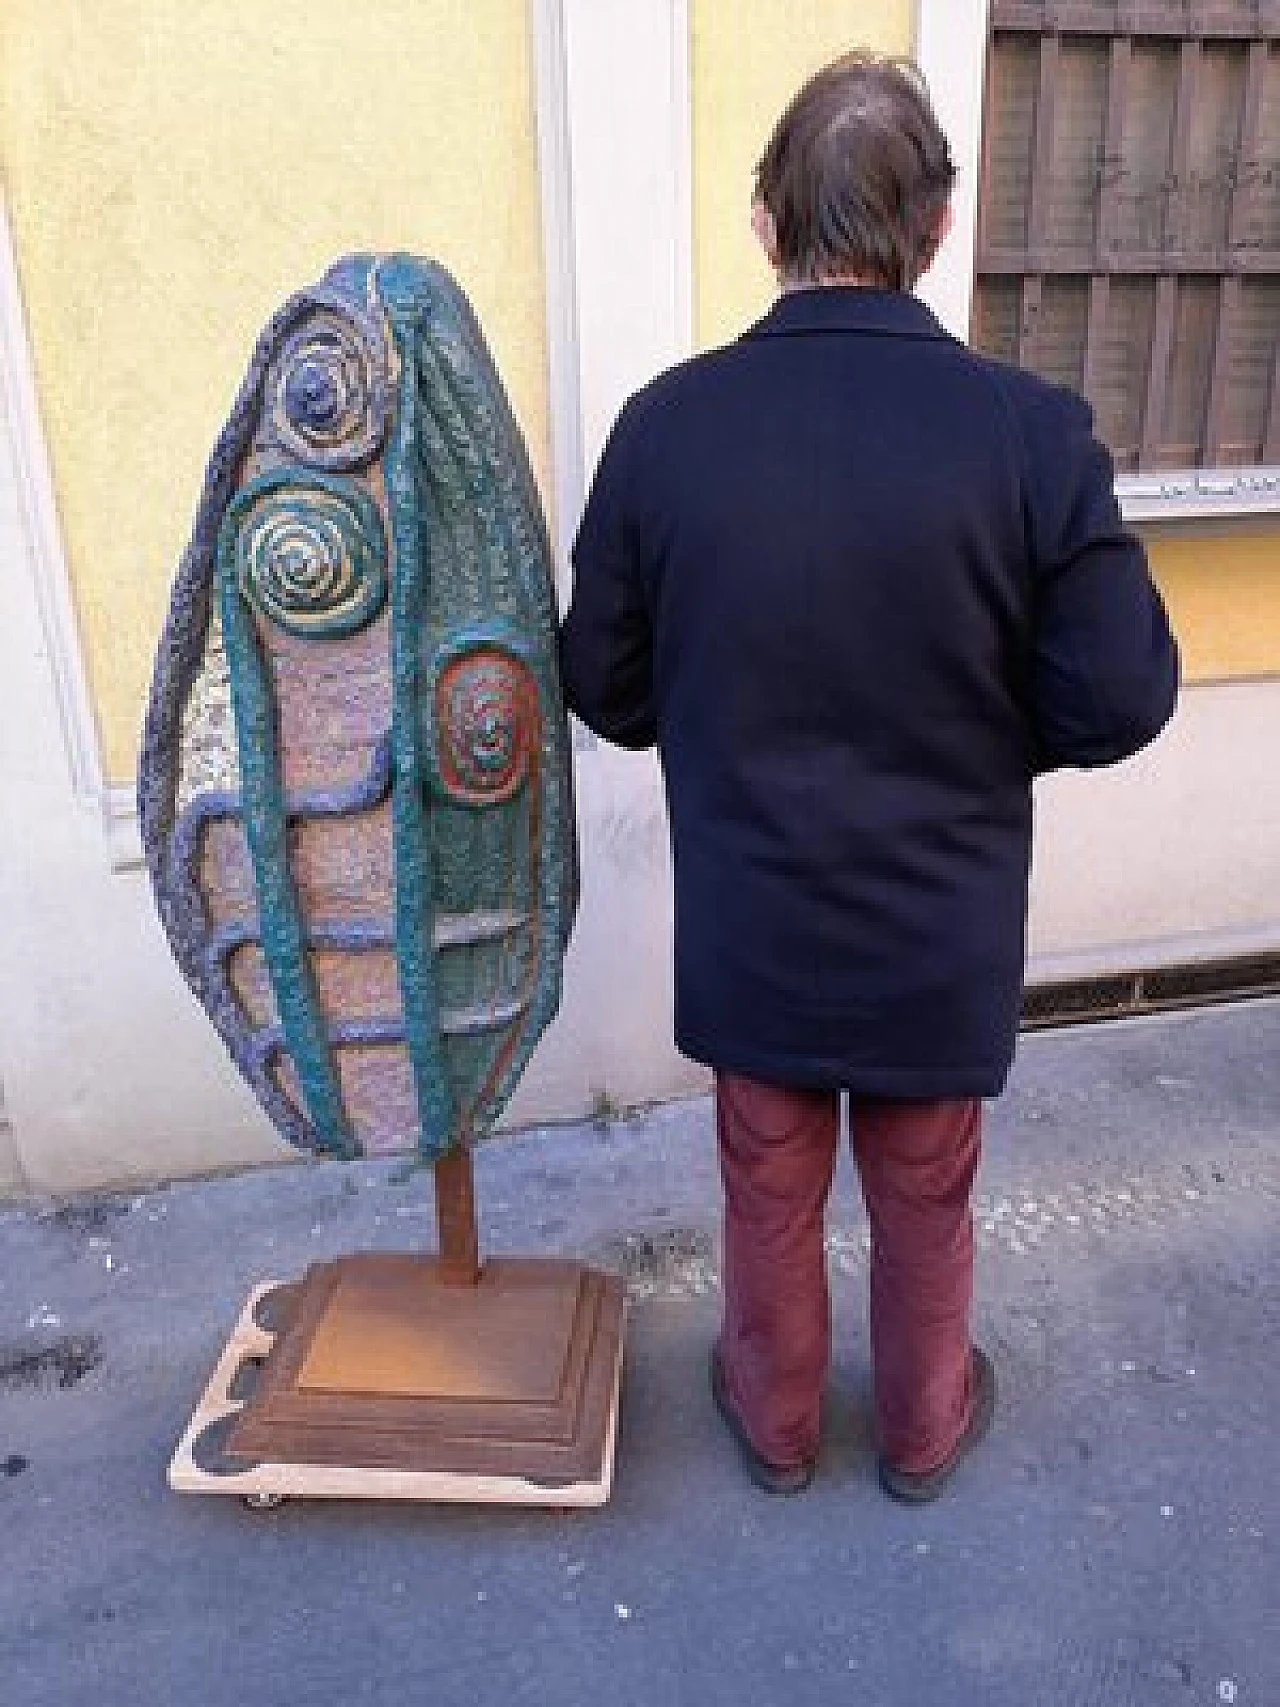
{"points": [[746, 62], [1222, 588], [174, 169]]}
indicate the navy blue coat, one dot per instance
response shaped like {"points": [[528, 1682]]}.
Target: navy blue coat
{"points": [[860, 586]]}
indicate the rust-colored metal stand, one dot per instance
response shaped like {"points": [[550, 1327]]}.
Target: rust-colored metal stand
{"points": [[457, 1232], [419, 1377]]}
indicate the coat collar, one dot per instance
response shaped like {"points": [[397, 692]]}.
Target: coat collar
{"points": [[847, 308]]}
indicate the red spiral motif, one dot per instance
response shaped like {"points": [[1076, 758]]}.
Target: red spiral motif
{"points": [[488, 729]]}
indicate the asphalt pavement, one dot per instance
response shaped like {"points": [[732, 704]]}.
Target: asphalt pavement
{"points": [[1117, 1540]]}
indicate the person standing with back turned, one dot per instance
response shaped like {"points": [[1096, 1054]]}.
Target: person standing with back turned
{"points": [[860, 586]]}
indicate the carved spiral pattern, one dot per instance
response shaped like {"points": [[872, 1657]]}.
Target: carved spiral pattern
{"points": [[487, 726], [327, 396], [311, 558]]}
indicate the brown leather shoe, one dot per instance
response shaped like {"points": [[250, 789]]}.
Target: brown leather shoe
{"points": [[773, 1478], [919, 1487]]}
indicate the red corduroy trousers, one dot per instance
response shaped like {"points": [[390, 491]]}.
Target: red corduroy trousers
{"points": [[916, 1161]]}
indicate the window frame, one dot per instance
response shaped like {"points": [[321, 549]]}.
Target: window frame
{"points": [[952, 38]]}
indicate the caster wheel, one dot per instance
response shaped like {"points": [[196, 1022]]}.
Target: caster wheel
{"points": [[263, 1502]]}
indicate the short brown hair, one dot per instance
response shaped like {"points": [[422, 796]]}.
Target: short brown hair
{"points": [[857, 175]]}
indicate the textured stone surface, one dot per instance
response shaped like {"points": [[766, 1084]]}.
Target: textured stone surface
{"points": [[1114, 1544], [356, 755]]}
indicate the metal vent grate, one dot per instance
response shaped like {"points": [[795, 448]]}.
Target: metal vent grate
{"points": [[1124, 995]]}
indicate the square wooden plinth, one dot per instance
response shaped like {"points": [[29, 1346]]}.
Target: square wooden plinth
{"points": [[376, 1377]]}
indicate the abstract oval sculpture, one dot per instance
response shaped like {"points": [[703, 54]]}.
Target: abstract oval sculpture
{"points": [[355, 782]]}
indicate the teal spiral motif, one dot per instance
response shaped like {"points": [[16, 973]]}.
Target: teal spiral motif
{"points": [[327, 398], [310, 552]]}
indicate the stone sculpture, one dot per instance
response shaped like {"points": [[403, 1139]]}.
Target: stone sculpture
{"points": [[355, 782], [356, 805]]}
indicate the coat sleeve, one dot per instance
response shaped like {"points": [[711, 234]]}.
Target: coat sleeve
{"points": [[606, 639], [1104, 663]]}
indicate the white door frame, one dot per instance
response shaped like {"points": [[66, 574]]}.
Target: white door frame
{"points": [[614, 137], [951, 50]]}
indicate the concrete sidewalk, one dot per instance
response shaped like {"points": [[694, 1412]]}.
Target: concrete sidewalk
{"points": [[1116, 1541]]}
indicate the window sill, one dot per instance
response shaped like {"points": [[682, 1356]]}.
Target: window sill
{"points": [[1193, 494]]}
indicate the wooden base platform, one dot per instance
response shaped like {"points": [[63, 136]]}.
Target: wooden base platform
{"points": [[384, 1377]]}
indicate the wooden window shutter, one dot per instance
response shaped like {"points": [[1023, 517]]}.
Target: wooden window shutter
{"points": [[1129, 223]]}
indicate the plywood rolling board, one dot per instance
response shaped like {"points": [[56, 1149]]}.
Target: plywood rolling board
{"points": [[377, 1378]]}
